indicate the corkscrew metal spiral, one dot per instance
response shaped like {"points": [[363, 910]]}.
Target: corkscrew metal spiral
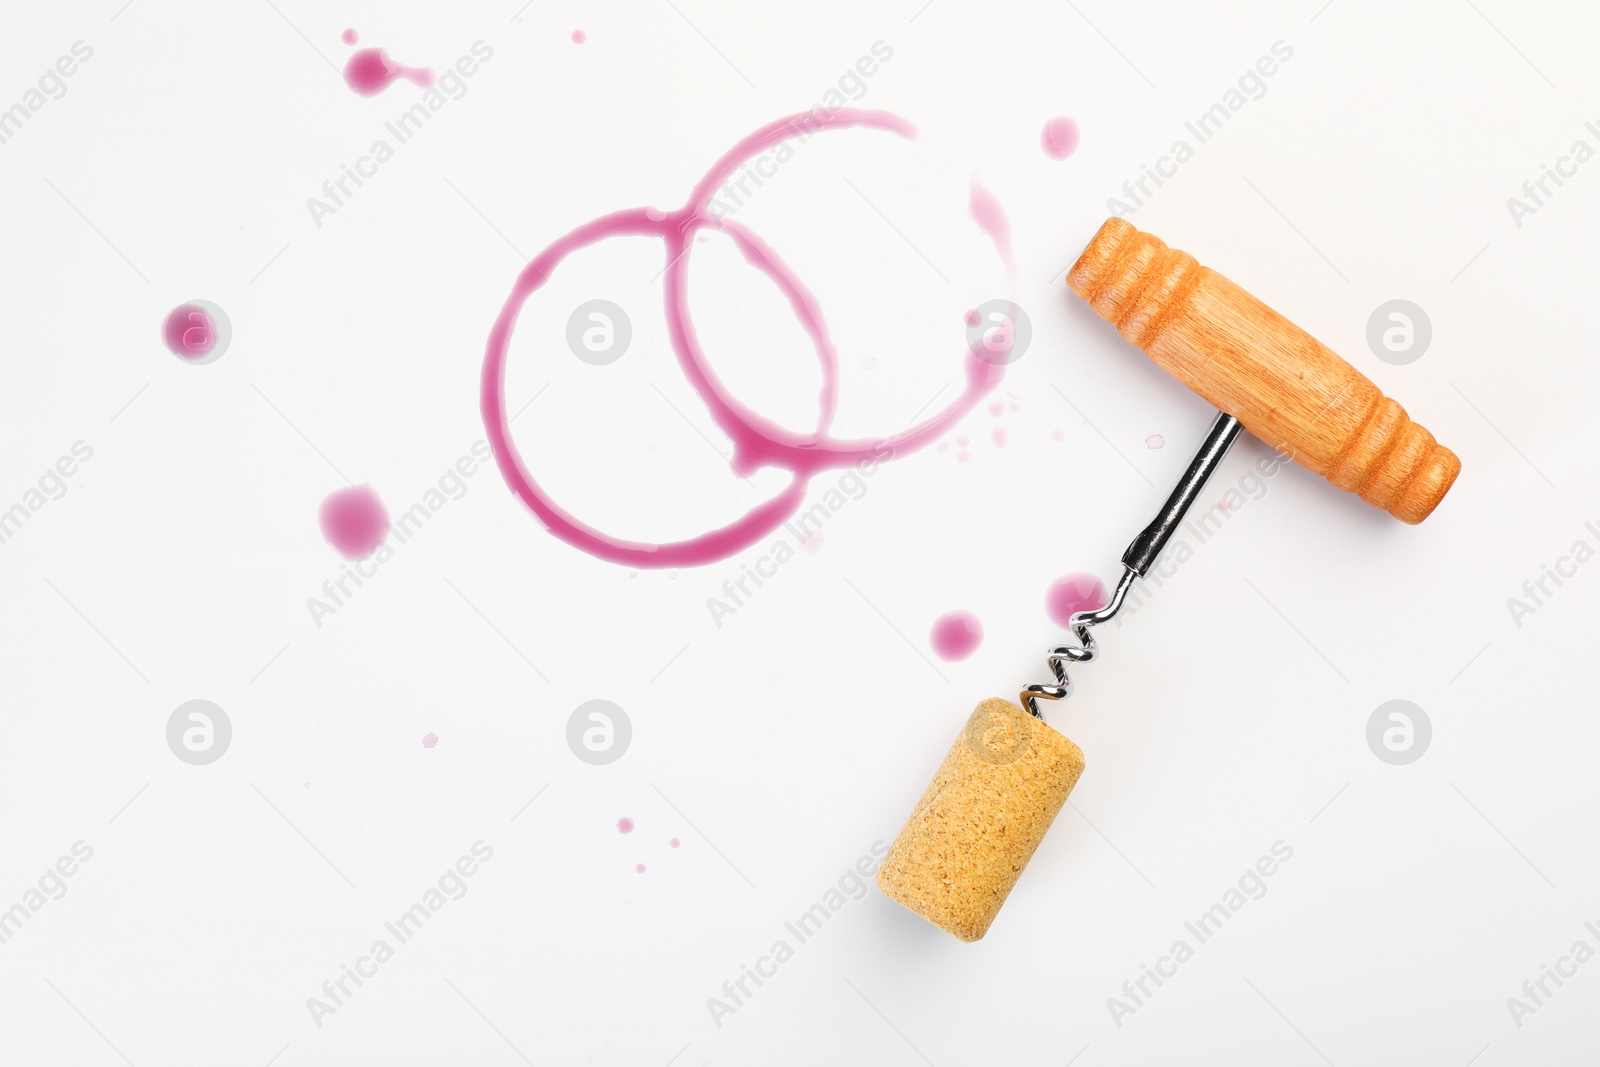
{"points": [[1140, 556], [1085, 650]]}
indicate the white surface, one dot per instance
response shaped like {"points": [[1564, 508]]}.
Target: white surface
{"points": [[1220, 719]]}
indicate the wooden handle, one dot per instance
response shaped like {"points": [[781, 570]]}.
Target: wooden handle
{"points": [[1281, 383]]}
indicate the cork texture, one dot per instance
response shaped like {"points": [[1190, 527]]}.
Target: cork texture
{"points": [[980, 819]]}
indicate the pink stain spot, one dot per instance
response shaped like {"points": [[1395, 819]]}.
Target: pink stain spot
{"points": [[1059, 138], [956, 635], [1000, 437], [972, 317], [350, 36], [1155, 440], [354, 521], [944, 446], [1058, 434], [639, 868], [675, 842], [429, 740], [624, 825], [189, 331], [1225, 504], [991, 219], [370, 71], [757, 441], [963, 457], [578, 37], [962, 441], [1072, 593], [997, 408], [812, 544]]}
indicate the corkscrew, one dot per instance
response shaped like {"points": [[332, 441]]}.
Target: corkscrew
{"points": [[1008, 773], [1141, 555]]}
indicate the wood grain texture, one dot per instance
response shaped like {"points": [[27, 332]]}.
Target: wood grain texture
{"points": [[1281, 383]]}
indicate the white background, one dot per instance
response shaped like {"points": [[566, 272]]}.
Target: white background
{"points": [[1228, 714]]}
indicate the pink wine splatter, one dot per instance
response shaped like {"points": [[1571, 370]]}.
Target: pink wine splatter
{"points": [[956, 635], [1072, 593], [189, 331], [1059, 138], [370, 71], [429, 740], [1155, 440], [354, 521], [624, 825], [639, 868], [350, 36], [578, 37], [991, 219], [758, 442], [675, 842]]}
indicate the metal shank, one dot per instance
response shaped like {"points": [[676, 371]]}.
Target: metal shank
{"points": [[1143, 550], [1140, 556]]}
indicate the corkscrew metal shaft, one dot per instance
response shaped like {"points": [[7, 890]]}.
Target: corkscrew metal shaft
{"points": [[1140, 556]]}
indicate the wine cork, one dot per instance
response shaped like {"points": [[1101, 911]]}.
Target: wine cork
{"points": [[980, 819]]}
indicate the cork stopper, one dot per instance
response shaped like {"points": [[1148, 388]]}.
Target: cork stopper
{"points": [[980, 819]]}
